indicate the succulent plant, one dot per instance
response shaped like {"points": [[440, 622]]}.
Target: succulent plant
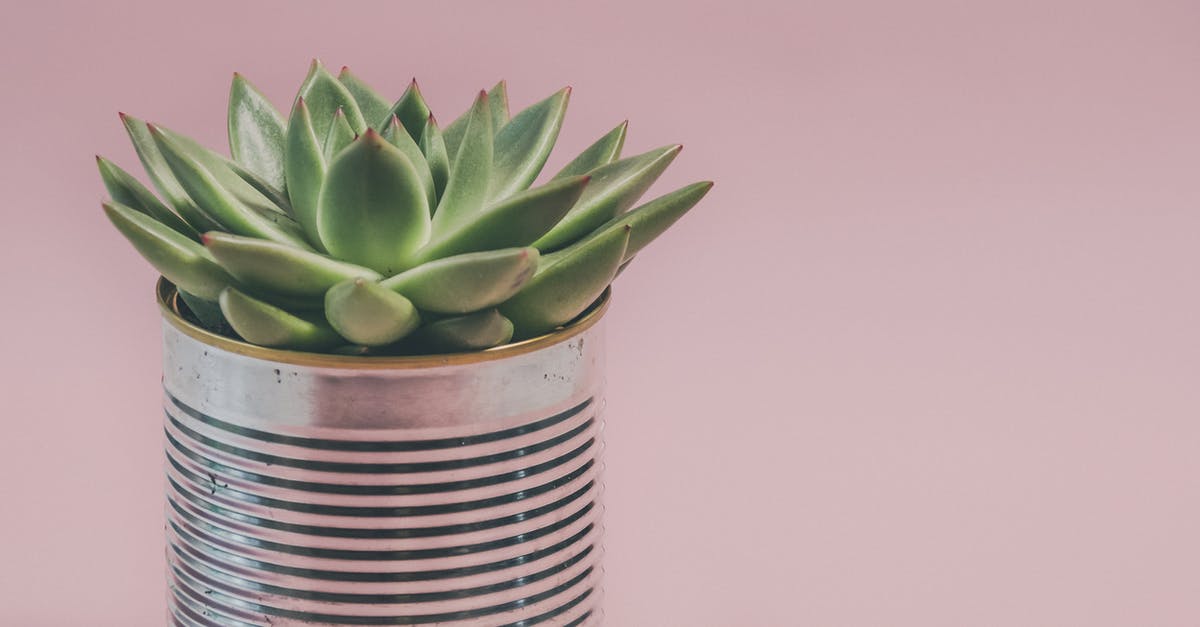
{"points": [[362, 226]]}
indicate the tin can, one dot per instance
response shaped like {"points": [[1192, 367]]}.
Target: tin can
{"points": [[312, 489]]}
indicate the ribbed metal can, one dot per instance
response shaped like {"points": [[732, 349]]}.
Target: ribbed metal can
{"points": [[309, 489]]}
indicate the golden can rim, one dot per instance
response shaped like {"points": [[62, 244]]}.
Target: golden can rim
{"points": [[168, 302]]}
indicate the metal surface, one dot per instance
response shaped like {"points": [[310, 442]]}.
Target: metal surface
{"points": [[462, 491]]}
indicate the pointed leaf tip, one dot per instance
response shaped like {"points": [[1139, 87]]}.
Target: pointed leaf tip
{"points": [[372, 208], [523, 143], [617, 186], [465, 283]]}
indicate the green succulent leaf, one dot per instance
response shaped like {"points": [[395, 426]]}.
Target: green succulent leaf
{"points": [[184, 262], [468, 282], [603, 152], [367, 314], [278, 269], [498, 105], [225, 172], [305, 170], [340, 135], [208, 312], [265, 324], [566, 284], [161, 176], [395, 134], [433, 146], [373, 210], [518, 220], [653, 218], [249, 190], [256, 133], [412, 110], [214, 199], [275, 195], [466, 190], [128, 191], [324, 94], [453, 134], [524, 144], [472, 332], [375, 110], [364, 228], [613, 189]]}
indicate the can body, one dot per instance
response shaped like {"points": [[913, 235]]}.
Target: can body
{"points": [[308, 490]]}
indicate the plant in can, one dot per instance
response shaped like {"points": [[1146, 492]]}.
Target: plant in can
{"points": [[363, 226]]}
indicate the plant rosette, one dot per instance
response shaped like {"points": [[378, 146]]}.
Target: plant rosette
{"points": [[384, 354]]}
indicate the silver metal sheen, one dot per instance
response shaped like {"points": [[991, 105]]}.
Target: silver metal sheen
{"points": [[301, 492]]}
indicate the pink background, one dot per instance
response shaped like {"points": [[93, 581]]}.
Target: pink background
{"points": [[927, 355]]}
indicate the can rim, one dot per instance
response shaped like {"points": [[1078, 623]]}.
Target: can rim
{"points": [[167, 296]]}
